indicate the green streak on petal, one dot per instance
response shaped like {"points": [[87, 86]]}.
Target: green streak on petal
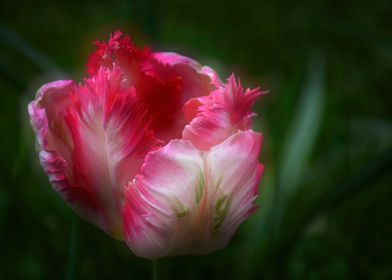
{"points": [[220, 211], [200, 188], [218, 183], [179, 208], [182, 214]]}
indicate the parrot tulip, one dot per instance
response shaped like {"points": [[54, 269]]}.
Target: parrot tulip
{"points": [[152, 148]]}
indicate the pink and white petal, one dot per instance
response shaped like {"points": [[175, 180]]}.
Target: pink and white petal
{"points": [[163, 194], [93, 139], [191, 109], [226, 111], [55, 147], [55, 97], [238, 102], [128, 134], [234, 174], [208, 129], [198, 80], [78, 197], [111, 138]]}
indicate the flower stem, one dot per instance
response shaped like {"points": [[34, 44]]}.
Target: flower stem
{"points": [[155, 270], [73, 246]]}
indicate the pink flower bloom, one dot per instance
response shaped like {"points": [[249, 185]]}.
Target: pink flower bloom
{"points": [[152, 148]]}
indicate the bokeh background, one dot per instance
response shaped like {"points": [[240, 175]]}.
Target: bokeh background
{"points": [[325, 205]]}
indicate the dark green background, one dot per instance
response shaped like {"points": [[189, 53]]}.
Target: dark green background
{"points": [[325, 205]]}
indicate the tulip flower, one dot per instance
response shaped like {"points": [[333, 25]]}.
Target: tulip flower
{"points": [[152, 148]]}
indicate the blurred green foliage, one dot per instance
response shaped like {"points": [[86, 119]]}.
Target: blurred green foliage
{"points": [[325, 205]]}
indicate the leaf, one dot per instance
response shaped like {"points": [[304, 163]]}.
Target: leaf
{"points": [[304, 129], [11, 39]]}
